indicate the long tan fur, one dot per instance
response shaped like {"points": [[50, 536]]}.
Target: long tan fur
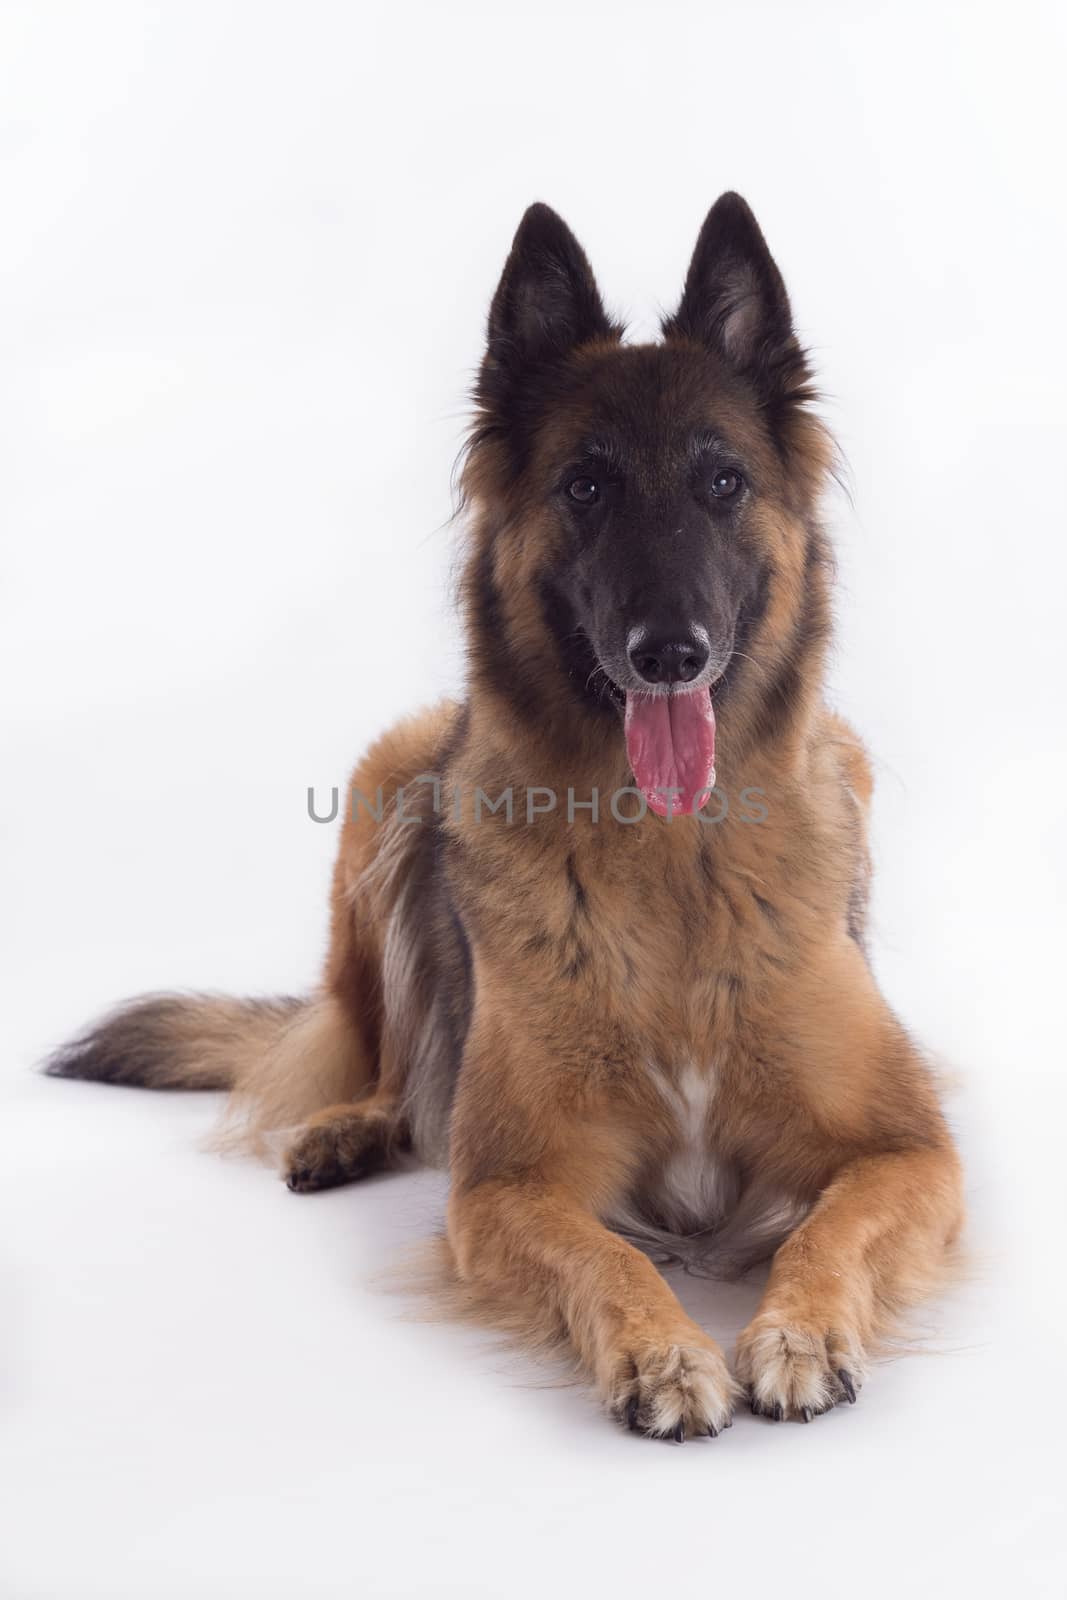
{"points": [[666, 1032]]}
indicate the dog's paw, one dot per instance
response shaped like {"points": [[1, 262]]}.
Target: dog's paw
{"points": [[794, 1370], [338, 1151], [674, 1391]]}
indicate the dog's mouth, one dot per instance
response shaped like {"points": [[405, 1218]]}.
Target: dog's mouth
{"points": [[669, 729], [670, 740]]}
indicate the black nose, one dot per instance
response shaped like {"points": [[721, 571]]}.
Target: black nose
{"points": [[667, 660]]}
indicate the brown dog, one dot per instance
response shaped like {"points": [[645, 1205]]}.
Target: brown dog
{"points": [[622, 1005]]}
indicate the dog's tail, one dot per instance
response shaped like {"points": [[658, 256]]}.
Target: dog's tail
{"points": [[282, 1059]]}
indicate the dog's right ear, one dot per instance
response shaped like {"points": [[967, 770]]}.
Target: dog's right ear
{"points": [[734, 299], [546, 304]]}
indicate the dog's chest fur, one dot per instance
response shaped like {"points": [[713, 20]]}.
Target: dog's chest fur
{"points": [[691, 1189], [690, 1205]]}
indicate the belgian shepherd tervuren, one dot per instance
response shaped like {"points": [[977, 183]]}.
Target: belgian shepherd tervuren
{"points": [[628, 1009]]}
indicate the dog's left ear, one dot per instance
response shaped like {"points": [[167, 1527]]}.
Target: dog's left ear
{"points": [[734, 298], [546, 304]]}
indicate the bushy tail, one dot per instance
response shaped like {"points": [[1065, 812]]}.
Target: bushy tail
{"points": [[282, 1059]]}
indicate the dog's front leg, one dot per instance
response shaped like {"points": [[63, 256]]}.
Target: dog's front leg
{"points": [[538, 1251], [875, 1241], [536, 1165]]}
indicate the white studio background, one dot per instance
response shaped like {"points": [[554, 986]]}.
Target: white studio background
{"points": [[248, 250]]}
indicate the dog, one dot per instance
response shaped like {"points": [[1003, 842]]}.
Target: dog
{"points": [[627, 1004]]}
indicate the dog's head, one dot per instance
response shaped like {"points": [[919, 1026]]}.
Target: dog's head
{"points": [[646, 509]]}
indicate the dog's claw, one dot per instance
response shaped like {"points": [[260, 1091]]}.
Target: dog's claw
{"points": [[712, 1431], [777, 1412], [631, 1415], [679, 1433], [807, 1413], [845, 1380]]}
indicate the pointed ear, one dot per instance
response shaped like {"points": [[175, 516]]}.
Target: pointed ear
{"points": [[734, 299], [546, 304]]}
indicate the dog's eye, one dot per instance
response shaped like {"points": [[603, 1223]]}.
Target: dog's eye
{"points": [[584, 490], [726, 484]]}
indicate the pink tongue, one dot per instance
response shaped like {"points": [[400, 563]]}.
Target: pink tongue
{"points": [[670, 739]]}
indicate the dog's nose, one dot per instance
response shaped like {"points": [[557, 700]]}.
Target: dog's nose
{"points": [[662, 659]]}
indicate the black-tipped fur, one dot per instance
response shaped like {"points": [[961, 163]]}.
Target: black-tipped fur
{"points": [[168, 1041]]}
